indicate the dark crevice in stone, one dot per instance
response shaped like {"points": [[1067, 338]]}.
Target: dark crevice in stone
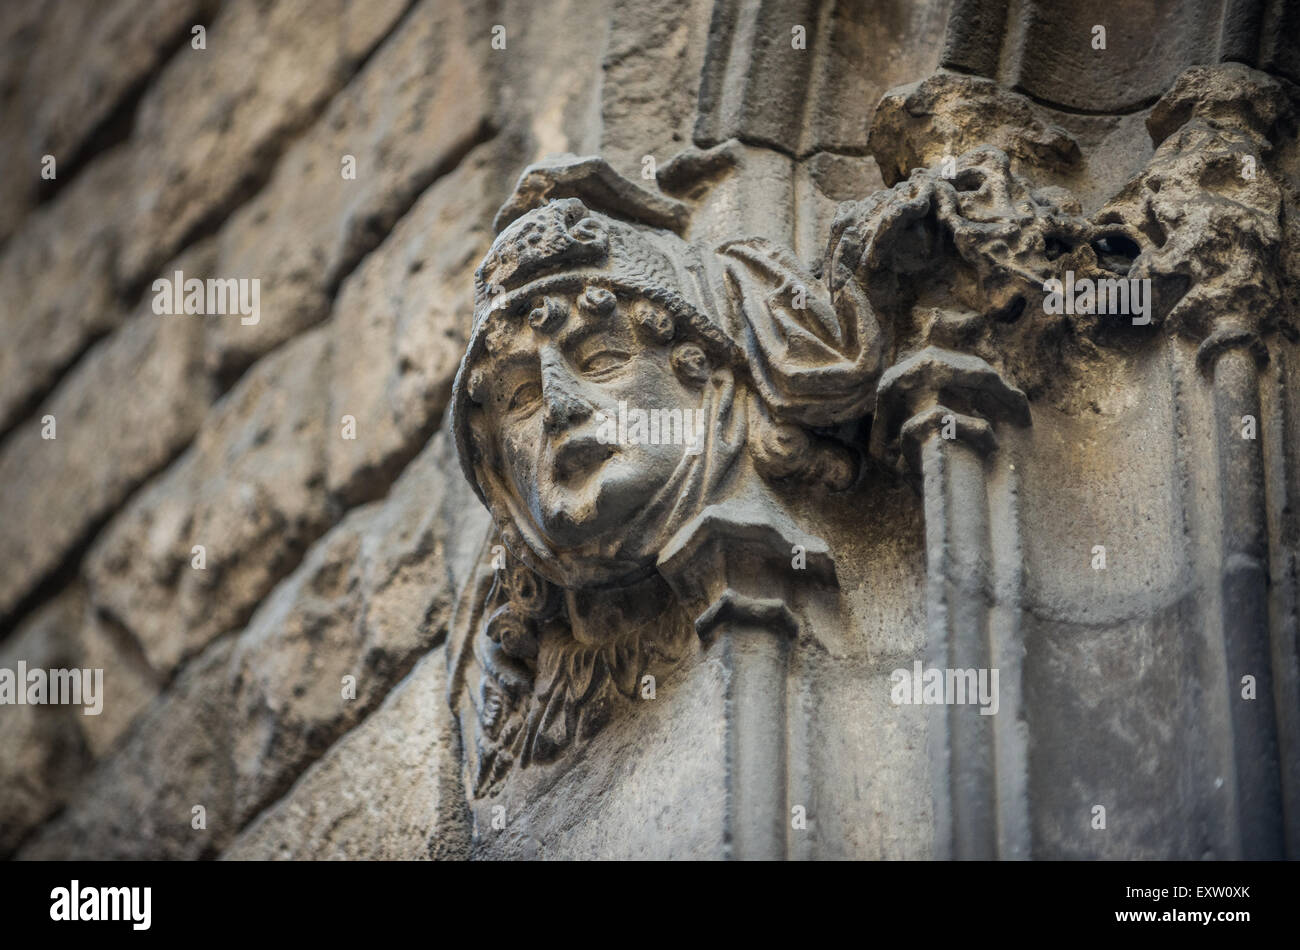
{"points": [[260, 167], [1153, 229], [373, 482], [1011, 312], [227, 377], [381, 229], [848, 151], [1054, 247], [69, 567], [116, 127], [129, 646], [1116, 252], [1141, 106], [25, 412]]}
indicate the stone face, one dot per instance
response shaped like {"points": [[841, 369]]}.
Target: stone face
{"points": [[980, 336], [701, 531]]}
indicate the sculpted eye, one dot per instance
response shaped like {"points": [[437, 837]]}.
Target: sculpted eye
{"points": [[603, 362], [525, 396]]}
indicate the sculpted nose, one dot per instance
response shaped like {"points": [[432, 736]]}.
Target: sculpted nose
{"points": [[561, 396]]}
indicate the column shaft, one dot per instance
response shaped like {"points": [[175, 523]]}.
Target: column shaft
{"points": [[959, 584], [757, 663], [1244, 585]]}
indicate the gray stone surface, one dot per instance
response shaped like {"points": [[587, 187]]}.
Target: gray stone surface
{"points": [[204, 136], [41, 747], [250, 490], [420, 103], [388, 790], [49, 109], [221, 128], [271, 469], [252, 711], [140, 802], [58, 274], [128, 407], [562, 648], [400, 322], [45, 750]]}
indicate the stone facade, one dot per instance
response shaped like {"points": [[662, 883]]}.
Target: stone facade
{"points": [[987, 314]]}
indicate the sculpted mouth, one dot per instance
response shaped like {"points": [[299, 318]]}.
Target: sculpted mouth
{"points": [[578, 457]]}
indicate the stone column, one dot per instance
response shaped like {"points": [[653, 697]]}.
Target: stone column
{"points": [[735, 569], [1232, 357], [939, 408], [1232, 115]]}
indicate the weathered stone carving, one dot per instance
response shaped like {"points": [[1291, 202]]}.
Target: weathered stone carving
{"points": [[547, 681], [579, 314], [1100, 510], [1201, 226], [1213, 212], [921, 337], [592, 312]]}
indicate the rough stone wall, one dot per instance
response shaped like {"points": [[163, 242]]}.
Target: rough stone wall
{"points": [[326, 557]]}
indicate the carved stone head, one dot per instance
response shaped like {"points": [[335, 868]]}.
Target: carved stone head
{"points": [[578, 314], [584, 323]]}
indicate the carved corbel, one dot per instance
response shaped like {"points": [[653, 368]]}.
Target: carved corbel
{"points": [[589, 301], [956, 260], [743, 572]]}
